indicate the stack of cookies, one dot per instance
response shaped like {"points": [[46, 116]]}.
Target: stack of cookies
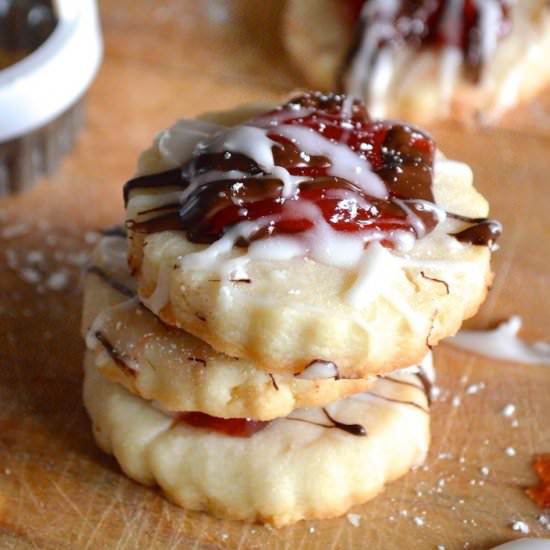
{"points": [[259, 335]]}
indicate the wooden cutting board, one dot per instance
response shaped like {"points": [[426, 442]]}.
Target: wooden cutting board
{"points": [[58, 491]]}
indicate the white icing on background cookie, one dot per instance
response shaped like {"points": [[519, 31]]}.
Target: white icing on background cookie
{"points": [[374, 71]]}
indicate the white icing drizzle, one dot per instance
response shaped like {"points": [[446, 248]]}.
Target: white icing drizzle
{"points": [[449, 72], [370, 279], [247, 140], [160, 296], [370, 75], [177, 143], [319, 370], [345, 163], [490, 20], [503, 343], [525, 544]]}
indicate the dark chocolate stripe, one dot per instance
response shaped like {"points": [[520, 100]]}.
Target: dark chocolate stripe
{"points": [[399, 401], [113, 283], [352, 429], [170, 178], [114, 231], [115, 354]]}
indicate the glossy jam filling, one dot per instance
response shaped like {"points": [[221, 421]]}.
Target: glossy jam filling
{"points": [[399, 155], [235, 427], [220, 188], [432, 24], [540, 494]]}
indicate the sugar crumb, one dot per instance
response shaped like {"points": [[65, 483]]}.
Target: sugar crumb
{"points": [[35, 257], [510, 451], [508, 410], [520, 526], [14, 230], [30, 275], [418, 521], [544, 520], [91, 237], [354, 519], [435, 393], [57, 281], [472, 389]]}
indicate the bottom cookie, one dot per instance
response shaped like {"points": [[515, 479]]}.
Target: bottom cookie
{"points": [[314, 463]]}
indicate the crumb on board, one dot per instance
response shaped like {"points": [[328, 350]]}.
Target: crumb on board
{"points": [[520, 526]]}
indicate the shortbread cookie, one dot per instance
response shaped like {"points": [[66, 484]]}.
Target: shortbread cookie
{"points": [[309, 233], [316, 463], [160, 363], [424, 60]]}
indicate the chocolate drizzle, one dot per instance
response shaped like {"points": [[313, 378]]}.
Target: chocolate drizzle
{"points": [[435, 280], [220, 188], [399, 401], [484, 233], [426, 386], [113, 283], [114, 353], [353, 429], [400, 155], [274, 382], [114, 231]]}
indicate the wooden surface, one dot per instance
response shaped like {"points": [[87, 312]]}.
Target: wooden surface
{"points": [[58, 491]]}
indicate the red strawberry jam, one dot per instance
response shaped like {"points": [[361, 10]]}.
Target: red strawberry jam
{"points": [[222, 185], [235, 427], [429, 24], [398, 155]]}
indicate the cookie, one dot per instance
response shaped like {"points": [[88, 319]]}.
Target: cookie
{"points": [[307, 233], [417, 71], [160, 363], [315, 463]]}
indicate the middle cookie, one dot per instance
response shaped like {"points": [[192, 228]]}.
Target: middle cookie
{"points": [[182, 373]]}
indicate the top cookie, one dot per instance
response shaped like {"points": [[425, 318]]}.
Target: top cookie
{"points": [[309, 232], [424, 60]]}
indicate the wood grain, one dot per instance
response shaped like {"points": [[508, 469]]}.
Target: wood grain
{"points": [[58, 491]]}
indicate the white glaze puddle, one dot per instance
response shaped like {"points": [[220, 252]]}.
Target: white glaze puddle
{"points": [[503, 343]]}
